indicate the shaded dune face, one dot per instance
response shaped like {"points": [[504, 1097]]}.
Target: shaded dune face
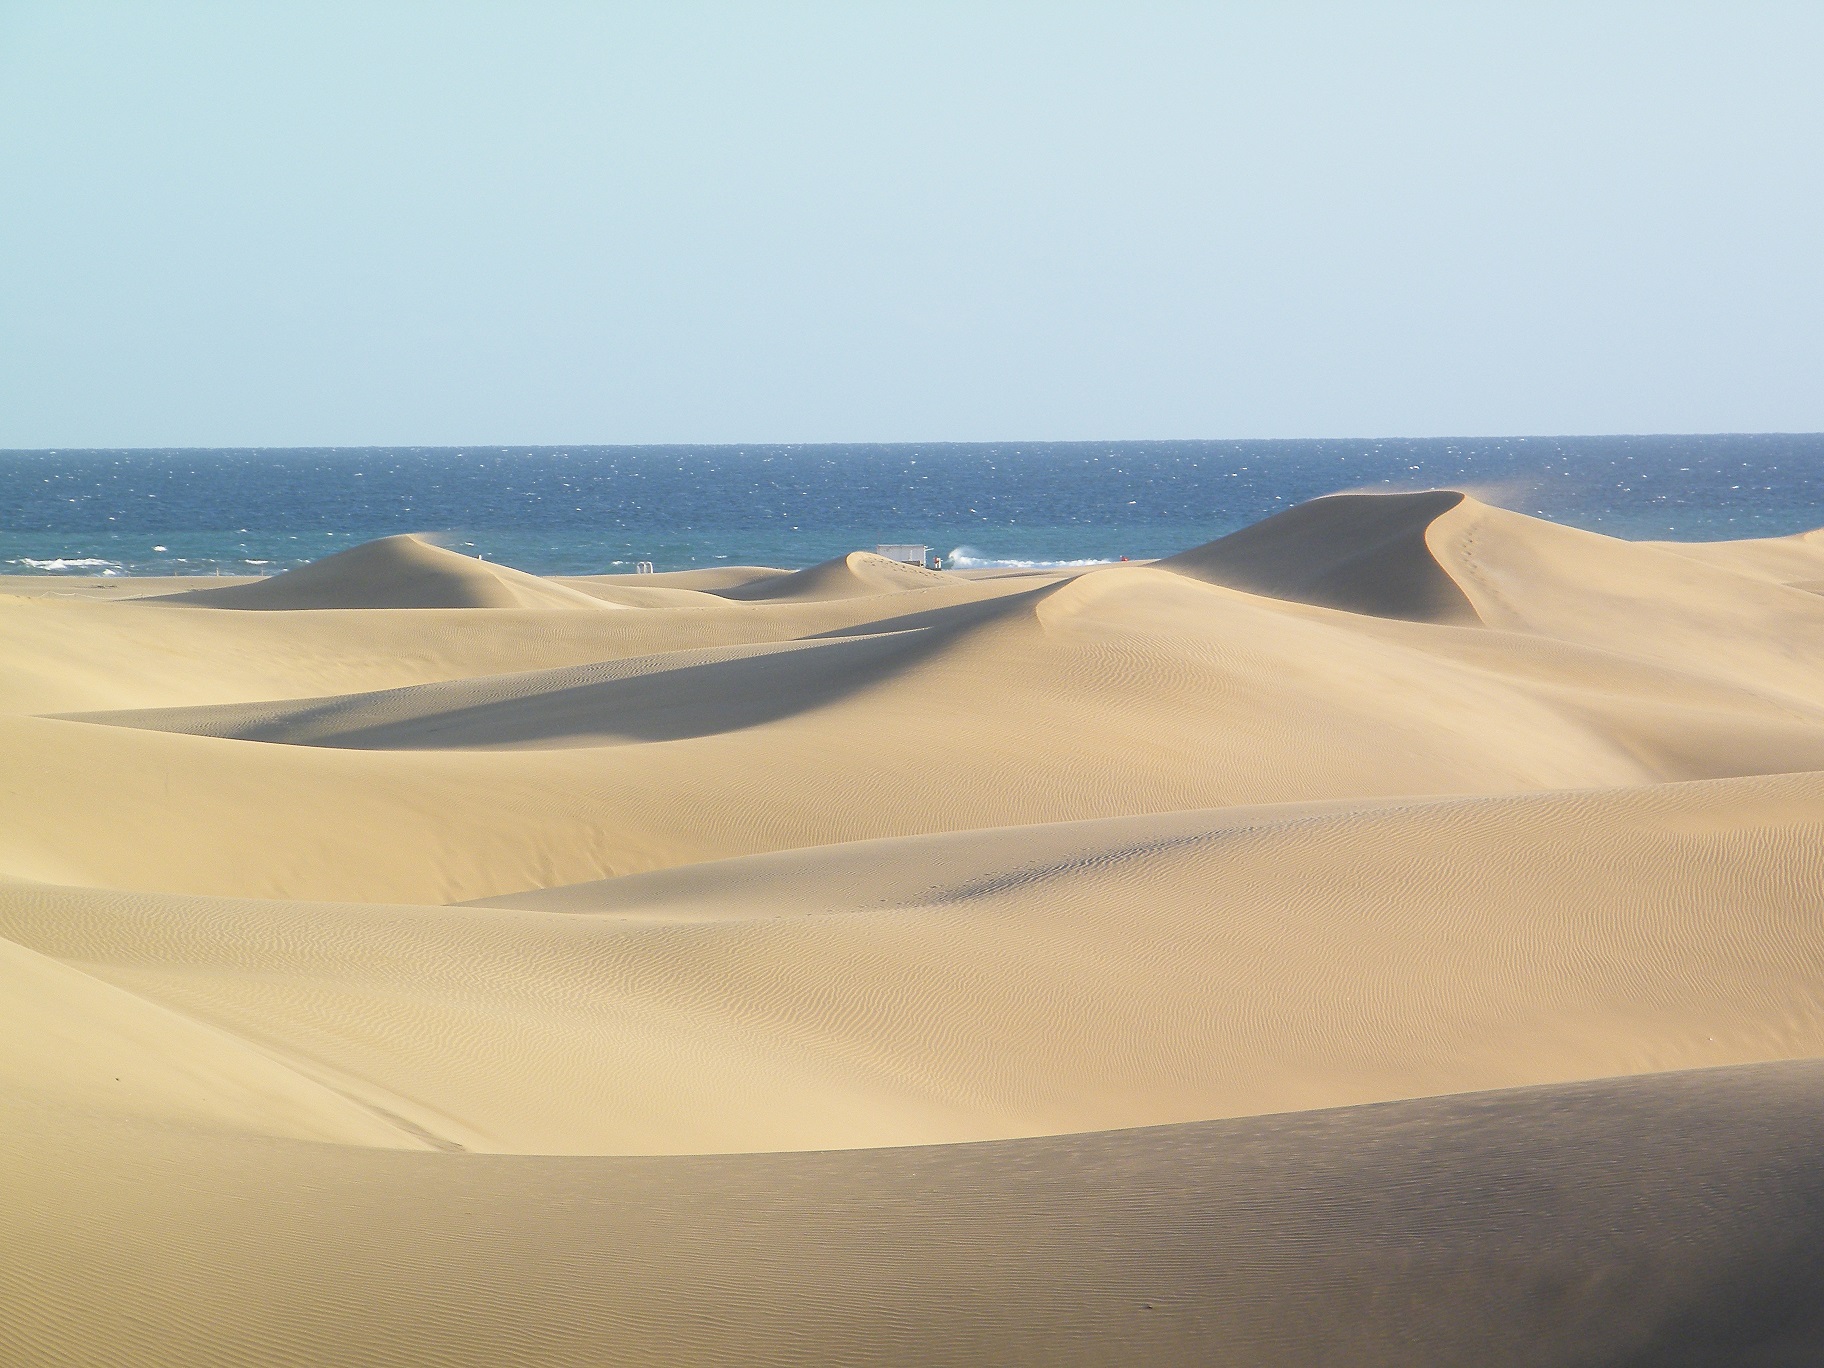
{"points": [[1363, 553], [666, 698], [1388, 934]]}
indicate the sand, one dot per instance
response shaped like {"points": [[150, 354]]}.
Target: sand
{"points": [[1391, 934]]}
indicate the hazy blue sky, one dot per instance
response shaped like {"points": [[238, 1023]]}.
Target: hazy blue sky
{"points": [[440, 223]]}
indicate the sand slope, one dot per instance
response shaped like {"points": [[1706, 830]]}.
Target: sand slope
{"points": [[1665, 1219], [1798, 559], [1080, 976], [75, 1041], [1388, 934]]}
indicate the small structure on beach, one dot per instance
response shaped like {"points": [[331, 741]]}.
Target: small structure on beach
{"points": [[911, 555]]}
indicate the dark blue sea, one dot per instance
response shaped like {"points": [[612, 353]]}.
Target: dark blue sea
{"points": [[581, 510]]}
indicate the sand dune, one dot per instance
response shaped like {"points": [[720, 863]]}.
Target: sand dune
{"points": [[1638, 601], [856, 575], [1387, 934], [1365, 553], [394, 572], [1122, 690]]}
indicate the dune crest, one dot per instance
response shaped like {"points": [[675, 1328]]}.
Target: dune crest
{"points": [[404, 571]]}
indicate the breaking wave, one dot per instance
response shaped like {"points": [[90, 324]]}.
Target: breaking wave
{"points": [[62, 565], [968, 558]]}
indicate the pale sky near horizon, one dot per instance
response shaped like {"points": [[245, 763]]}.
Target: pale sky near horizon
{"points": [[342, 224]]}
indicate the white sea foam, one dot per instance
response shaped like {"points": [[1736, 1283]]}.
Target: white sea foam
{"points": [[60, 564], [968, 558]]}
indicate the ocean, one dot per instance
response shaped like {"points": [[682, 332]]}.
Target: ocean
{"points": [[600, 509]]}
